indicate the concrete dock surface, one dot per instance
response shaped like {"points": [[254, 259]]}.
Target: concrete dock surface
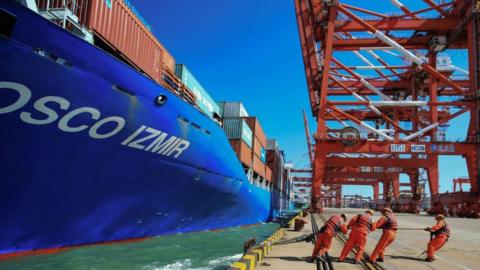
{"points": [[462, 251]]}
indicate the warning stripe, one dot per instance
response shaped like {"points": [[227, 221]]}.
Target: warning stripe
{"points": [[255, 256]]}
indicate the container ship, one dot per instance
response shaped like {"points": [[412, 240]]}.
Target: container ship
{"points": [[106, 138]]}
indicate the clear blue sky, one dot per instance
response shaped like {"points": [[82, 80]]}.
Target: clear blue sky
{"points": [[249, 51]]}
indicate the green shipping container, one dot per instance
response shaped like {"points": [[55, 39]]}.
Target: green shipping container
{"points": [[204, 101], [237, 128]]}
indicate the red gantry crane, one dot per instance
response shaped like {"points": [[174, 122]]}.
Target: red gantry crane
{"points": [[383, 88]]}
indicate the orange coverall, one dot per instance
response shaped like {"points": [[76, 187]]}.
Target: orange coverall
{"points": [[388, 236], [357, 237], [438, 241], [324, 240]]}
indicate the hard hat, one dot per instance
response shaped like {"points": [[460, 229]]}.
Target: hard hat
{"points": [[440, 216], [387, 209], [369, 211]]}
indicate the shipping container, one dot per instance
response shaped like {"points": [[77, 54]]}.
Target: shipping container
{"points": [[256, 146], [221, 105], [168, 61], [263, 154], [204, 101], [234, 109], [259, 150], [276, 163], [119, 26], [258, 166], [257, 129], [268, 174], [237, 128], [244, 153], [272, 144]]}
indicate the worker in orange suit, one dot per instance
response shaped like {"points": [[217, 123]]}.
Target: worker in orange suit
{"points": [[361, 225], [334, 224], [388, 222], [439, 236]]}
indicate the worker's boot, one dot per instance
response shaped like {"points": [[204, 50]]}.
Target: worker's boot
{"points": [[430, 259], [380, 260]]}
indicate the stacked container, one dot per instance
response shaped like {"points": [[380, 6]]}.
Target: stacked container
{"points": [[232, 109], [244, 153], [123, 29], [237, 131], [111, 20], [241, 135], [275, 162], [204, 101], [259, 146]]}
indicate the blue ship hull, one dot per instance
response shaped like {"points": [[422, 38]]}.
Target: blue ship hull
{"points": [[88, 157]]}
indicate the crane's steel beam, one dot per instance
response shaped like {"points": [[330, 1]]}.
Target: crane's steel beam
{"points": [[438, 8], [371, 107], [362, 80], [402, 84], [362, 124], [380, 147], [370, 116], [417, 42], [434, 125], [309, 143], [402, 7], [378, 162], [352, 183], [409, 55], [402, 103], [400, 24], [366, 11], [307, 39]]}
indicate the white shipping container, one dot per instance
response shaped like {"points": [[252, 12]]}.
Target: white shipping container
{"points": [[272, 144]]}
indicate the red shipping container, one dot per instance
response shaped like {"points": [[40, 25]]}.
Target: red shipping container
{"points": [[258, 166], [244, 153], [257, 147], [274, 163], [119, 26], [122, 30], [257, 129], [168, 61], [268, 173]]}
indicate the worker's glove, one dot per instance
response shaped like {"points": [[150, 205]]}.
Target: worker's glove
{"points": [[427, 229]]}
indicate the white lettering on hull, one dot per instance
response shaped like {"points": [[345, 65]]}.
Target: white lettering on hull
{"points": [[144, 138]]}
